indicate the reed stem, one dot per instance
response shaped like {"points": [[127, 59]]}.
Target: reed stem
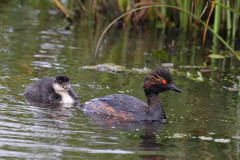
{"points": [[229, 24], [235, 20], [217, 17]]}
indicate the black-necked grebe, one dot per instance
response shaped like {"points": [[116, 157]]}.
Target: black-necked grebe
{"points": [[131, 108], [53, 90]]}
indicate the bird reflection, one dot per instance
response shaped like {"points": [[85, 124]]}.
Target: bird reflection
{"points": [[53, 111], [150, 143], [149, 139]]}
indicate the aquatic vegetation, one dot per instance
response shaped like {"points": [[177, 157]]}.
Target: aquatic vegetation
{"points": [[197, 77], [164, 14], [166, 17], [216, 56], [235, 87], [110, 67]]}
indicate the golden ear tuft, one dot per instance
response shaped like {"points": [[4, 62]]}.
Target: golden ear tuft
{"points": [[154, 80]]}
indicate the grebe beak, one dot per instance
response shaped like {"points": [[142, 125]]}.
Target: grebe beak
{"points": [[65, 85], [174, 88]]}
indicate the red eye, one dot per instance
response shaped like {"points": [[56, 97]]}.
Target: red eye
{"points": [[164, 81]]}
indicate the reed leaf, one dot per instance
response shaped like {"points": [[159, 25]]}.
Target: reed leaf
{"points": [[228, 8], [205, 31]]}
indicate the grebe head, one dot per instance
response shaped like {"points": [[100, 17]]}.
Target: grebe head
{"points": [[61, 83], [159, 80]]}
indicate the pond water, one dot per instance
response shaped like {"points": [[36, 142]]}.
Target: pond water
{"points": [[203, 121]]}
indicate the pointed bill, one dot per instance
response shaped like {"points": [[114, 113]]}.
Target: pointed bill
{"points": [[174, 88]]}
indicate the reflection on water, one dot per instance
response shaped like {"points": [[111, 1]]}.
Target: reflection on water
{"points": [[203, 121]]}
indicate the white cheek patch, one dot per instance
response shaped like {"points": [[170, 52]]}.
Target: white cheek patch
{"points": [[57, 88], [66, 98]]}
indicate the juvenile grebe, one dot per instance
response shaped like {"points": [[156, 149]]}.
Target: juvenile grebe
{"points": [[131, 108], [53, 90]]}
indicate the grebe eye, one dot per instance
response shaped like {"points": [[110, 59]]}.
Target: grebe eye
{"points": [[164, 81]]}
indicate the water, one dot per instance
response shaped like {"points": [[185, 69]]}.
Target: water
{"points": [[203, 121]]}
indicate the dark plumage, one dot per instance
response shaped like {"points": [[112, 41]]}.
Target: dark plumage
{"points": [[53, 90], [131, 108]]}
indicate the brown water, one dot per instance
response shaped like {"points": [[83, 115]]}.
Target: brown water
{"points": [[203, 121]]}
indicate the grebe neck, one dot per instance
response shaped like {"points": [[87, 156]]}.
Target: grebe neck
{"points": [[154, 109]]}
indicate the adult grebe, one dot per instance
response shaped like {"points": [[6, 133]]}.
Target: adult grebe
{"points": [[131, 108]]}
